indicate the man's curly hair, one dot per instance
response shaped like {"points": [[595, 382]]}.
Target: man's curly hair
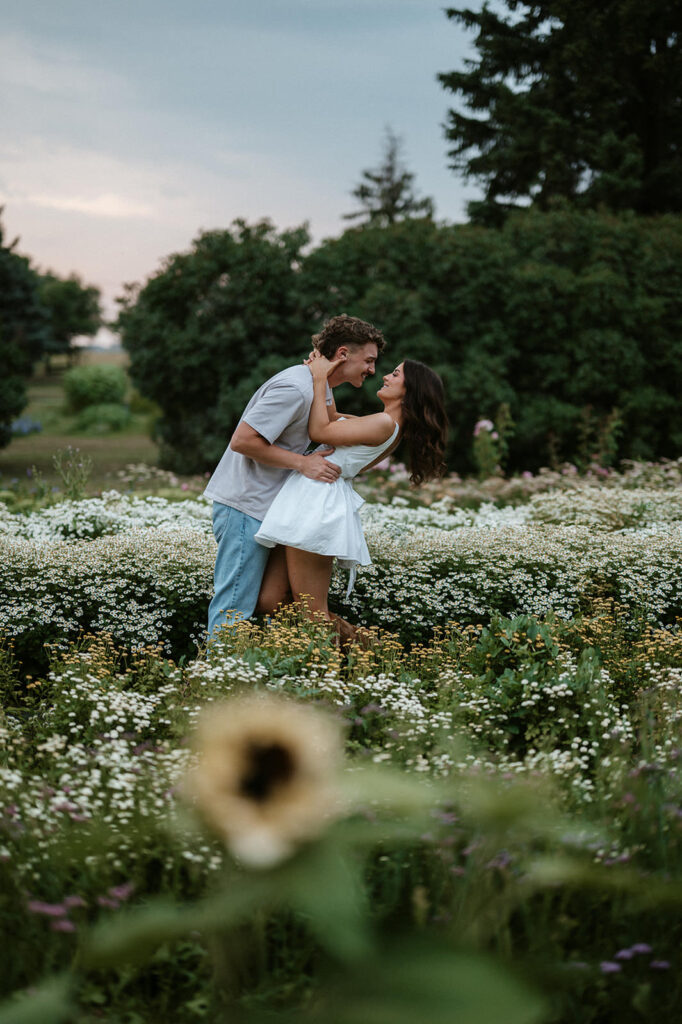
{"points": [[347, 330]]}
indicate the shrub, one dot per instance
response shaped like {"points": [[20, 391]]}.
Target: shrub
{"points": [[94, 385], [206, 331], [104, 418]]}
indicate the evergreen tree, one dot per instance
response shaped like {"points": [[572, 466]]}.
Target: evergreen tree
{"points": [[571, 98], [386, 194]]}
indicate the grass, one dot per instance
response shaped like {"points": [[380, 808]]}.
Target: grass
{"points": [[109, 453]]}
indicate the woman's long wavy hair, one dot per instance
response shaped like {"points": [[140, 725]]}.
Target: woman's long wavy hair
{"points": [[425, 421]]}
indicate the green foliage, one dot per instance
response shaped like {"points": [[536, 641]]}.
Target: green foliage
{"points": [[570, 100], [24, 332], [94, 385], [209, 328], [73, 307], [104, 418], [514, 645], [568, 320], [558, 316]]}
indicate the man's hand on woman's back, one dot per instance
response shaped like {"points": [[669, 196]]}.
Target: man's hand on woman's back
{"points": [[317, 467]]}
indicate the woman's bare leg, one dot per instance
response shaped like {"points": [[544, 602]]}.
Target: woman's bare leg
{"points": [[275, 589], [309, 575]]}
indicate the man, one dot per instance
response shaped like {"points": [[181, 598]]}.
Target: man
{"points": [[269, 441]]}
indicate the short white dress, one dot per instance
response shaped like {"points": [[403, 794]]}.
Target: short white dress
{"points": [[320, 517]]}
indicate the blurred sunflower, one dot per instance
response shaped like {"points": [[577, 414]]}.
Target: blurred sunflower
{"points": [[266, 775]]}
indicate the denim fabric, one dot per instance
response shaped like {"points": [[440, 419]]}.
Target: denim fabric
{"points": [[239, 566]]}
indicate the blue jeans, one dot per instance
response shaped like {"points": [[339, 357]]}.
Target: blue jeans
{"points": [[239, 567]]}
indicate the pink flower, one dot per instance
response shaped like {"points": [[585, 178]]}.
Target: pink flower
{"points": [[184, 487], [122, 892], [108, 903], [384, 464], [74, 901], [63, 926], [483, 425], [49, 909]]}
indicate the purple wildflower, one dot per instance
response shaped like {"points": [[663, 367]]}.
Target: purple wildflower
{"points": [[641, 947], [609, 967], [624, 954], [108, 903], [74, 901], [660, 965], [63, 925], [49, 909]]}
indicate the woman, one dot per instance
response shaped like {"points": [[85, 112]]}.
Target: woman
{"points": [[317, 522]]}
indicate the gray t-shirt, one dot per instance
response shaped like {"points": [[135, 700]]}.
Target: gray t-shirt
{"points": [[279, 411]]}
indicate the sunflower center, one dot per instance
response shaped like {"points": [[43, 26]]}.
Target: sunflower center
{"points": [[268, 766]]}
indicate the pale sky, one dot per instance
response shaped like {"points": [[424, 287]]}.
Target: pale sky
{"points": [[127, 126]]}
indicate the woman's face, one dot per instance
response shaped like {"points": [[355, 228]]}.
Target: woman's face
{"points": [[394, 384]]}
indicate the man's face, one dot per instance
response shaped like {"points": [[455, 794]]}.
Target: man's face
{"points": [[360, 363]]}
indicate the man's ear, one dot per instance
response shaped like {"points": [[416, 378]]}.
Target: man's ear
{"points": [[341, 352]]}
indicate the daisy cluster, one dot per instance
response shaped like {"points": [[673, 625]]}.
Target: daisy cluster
{"points": [[432, 576], [142, 586], [571, 728], [102, 755], [153, 584], [112, 513], [608, 509]]}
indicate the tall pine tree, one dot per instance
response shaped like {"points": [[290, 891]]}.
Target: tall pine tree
{"points": [[579, 99], [386, 194]]}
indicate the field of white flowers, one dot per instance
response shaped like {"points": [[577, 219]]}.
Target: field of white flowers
{"points": [[525, 674]]}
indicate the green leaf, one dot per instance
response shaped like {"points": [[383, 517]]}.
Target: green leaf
{"points": [[424, 982], [49, 1003], [327, 889]]}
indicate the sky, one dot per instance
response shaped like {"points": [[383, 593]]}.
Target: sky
{"points": [[128, 126]]}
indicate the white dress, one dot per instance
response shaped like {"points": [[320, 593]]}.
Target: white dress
{"points": [[320, 517]]}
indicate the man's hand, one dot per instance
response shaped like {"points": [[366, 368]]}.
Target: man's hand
{"points": [[316, 467]]}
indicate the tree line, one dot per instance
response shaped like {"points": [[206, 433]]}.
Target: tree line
{"points": [[570, 318]]}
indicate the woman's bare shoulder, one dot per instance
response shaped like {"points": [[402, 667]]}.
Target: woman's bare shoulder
{"points": [[382, 423]]}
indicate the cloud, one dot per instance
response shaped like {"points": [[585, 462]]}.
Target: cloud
{"points": [[106, 205], [96, 184]]}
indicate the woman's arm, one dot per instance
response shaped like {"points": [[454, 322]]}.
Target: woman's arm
{"points": [[374, 429]]}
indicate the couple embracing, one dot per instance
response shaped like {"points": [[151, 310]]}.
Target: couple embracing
{"points": [[281, 517]]}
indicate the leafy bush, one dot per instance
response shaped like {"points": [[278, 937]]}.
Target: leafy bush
{"points": [[104, 418], [207, 330], [94, 385]]}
